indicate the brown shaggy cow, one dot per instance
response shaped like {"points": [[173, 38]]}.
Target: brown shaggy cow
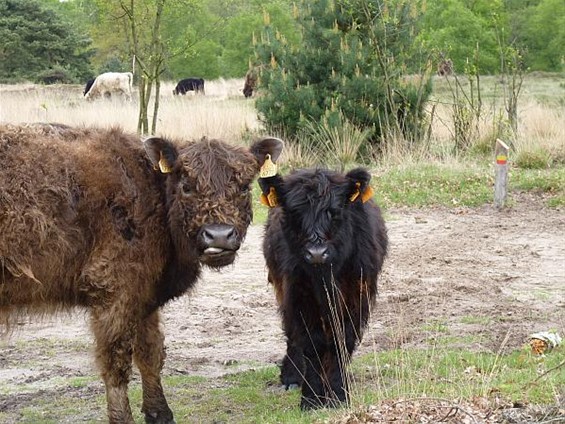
{"points": [[95, 218], [445, 68], [250, 82]]}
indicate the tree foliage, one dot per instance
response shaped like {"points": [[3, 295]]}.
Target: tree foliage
{"points": [[349, 64], [214, 38], [540, 34], [38, 44], [464, 32]]}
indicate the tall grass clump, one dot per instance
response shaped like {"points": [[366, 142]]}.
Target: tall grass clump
{"points": [[541, 142], [340, 145]]}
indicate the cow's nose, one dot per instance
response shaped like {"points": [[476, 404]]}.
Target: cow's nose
{"points": [[317, 254], [220, 236]]}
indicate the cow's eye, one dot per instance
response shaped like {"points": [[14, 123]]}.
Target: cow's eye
{"points": [[185, 188], [334, 215], [245, 190]]}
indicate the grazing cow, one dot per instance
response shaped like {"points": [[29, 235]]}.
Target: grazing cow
{"points": [[109, 83], [94, 218], [325, 243], [189, 84], [445, 68], [250, 83]]}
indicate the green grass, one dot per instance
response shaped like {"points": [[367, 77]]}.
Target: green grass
{"points": [[421, 184], [543, 87], [473, 319], [454, 185], [255, 396], [260, 211], [548, 181], [460, 373]]}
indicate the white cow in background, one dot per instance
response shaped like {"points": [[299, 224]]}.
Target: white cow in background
{"points": [[109, 83]]}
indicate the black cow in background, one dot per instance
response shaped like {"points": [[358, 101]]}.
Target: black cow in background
{"points": [[325, 243], [189, 84]]}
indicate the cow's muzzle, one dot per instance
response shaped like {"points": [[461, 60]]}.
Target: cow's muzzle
{"points": [[218, 244], [317, 254]]}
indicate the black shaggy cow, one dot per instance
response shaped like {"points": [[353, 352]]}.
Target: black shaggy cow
{"points": [[189, 84], [325, 243]]}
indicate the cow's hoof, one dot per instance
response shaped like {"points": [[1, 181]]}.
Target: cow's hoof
{"points": [[308, 404], [159, 418], [336, 403], [291, 386]]}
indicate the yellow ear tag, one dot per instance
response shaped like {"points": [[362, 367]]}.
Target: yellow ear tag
{"points": [[269, 168], [165, 169], [270, 199]]}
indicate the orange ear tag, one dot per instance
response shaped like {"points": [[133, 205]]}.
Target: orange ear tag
{"points": [[270, 199], [367, 194], [264, 200]]}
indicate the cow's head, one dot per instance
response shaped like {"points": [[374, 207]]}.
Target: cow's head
{"points": [[208, 192], [318, 208]]}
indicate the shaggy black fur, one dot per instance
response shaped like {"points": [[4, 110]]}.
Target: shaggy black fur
{"points": [[325, 243]]}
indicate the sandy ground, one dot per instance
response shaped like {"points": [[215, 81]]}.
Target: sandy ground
{"points": [[489, 278]]}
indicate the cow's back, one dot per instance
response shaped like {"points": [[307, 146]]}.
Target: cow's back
{"points": [[71, 205]]}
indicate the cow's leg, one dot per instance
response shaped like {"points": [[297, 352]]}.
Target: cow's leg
{"points": [[113, 335], [292, 368], [315, 349], [339, 358], [149, 356]]}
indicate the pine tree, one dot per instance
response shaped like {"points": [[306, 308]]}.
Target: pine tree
{"points": [[37, 42], [350, 63]]}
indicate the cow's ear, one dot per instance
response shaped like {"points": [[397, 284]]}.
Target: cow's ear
{"points": [[359, 185], [270, 190], [267, 152], [162, 153]]}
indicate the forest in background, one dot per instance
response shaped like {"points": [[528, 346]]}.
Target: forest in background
{"points": [[71, 41]]}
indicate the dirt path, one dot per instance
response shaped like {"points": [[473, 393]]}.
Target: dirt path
{"points": [[488, 278]]}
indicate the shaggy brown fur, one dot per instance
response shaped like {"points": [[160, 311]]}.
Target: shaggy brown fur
{"points": [[88, 219]]}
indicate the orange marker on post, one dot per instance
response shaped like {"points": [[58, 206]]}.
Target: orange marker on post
{"points": [[501, 177]]}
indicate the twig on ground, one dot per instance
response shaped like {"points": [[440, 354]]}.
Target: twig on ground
{"points": [[535, 380]]}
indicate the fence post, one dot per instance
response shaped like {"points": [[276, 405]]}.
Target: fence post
{"points": [[501, 173]]}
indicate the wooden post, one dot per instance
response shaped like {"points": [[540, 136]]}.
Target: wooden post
{"points": [[501, 176]]}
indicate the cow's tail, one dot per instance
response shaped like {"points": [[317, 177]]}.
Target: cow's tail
{"points": [[130, 80]]}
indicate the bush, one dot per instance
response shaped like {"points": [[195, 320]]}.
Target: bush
{"points": [[347, 66], [535, 158]]}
